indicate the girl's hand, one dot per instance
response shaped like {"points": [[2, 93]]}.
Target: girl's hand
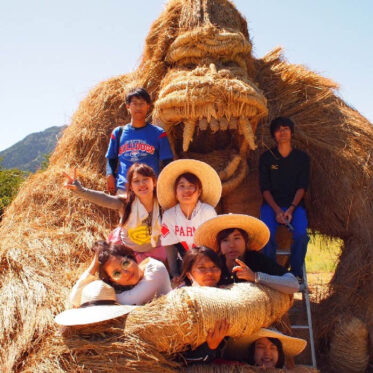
{"points": [[216, 335], [70, 180], [243, 272]]}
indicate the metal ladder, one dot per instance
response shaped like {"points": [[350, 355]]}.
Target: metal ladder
{"points": [[306, 299]]}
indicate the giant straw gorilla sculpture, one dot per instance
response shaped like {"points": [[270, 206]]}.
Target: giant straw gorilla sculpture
{"points": [[211, 96]]}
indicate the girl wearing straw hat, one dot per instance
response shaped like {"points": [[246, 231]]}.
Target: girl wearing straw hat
{"points": [[238, 238], [188, 190], [134, 283], [140, 224], [266, 348]]}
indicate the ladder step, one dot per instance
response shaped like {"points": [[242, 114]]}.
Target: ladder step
{"points": [[300, 327], [282, 252]]}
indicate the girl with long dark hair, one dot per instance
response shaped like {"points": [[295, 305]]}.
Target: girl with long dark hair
{"points": [[140, 222]]}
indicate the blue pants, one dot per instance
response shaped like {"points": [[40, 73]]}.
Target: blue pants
{"points": [[300, 237]]}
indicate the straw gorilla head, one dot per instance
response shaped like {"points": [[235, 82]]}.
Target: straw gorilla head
{"points": [[207, 100]]}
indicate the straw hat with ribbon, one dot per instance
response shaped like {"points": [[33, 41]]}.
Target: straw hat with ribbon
{"points": [[98, 303], [237, 348], [210, 180], [257, 231]]}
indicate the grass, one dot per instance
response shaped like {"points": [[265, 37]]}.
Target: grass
{"points": [[322, 254]]}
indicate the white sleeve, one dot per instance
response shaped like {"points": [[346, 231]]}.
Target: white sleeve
{"points": [[208, 213], [155, 282], [286, 283], [76, 292], [168, 236]]}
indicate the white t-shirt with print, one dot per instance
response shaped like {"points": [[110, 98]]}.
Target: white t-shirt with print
{"points": [[177, 228]]}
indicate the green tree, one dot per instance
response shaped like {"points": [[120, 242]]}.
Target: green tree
{"points": [[10, 181], [45, 162]]}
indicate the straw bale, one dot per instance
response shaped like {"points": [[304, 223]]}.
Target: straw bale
{"points": [[179, 320], [349, 346], [46, 231], [191, 311]]}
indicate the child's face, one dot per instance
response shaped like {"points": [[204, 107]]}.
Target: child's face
{"points": [[266, 353], [282, 134], [205, 272], [142, 185], [233, 246], [186, 192], [138, 108], [122, 271]]}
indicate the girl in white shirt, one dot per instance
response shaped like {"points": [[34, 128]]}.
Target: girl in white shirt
{"points": [[134, 284], [140, 223], [188, 190]]}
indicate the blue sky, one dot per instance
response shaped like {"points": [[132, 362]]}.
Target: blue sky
{"points": [[52, 53]]}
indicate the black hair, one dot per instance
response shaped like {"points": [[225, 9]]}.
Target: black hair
{"points": [[226, 232], [105, 251], [281, 356], [281, 121], [139, 93], [193, 179], [191, 257]]}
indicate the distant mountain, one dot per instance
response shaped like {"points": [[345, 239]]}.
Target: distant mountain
{"points": [[29, 153]]}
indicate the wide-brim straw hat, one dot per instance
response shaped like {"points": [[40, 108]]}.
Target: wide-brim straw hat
{"points": [[210, 180], [292, 346], [98, 303], [257, 231]]}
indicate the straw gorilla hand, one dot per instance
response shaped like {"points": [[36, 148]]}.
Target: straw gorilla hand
{"points": [[243, 272], [70, 180], [216, 335]]}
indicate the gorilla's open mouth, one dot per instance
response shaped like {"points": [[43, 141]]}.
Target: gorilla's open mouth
{"points": [[220, 143], [211, 115]]}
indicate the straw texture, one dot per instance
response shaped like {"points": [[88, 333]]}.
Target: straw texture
{"points": [[178, 320], [189, 312], [46, 231], [349, 348]]}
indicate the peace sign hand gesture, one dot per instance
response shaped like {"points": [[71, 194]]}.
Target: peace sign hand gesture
{"points": [[243, 272], [70, 180]]}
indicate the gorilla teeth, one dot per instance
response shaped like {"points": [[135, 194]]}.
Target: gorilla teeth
{"points": [[203, 124], [223, 124], [214, 125], [246, 130], [233, 124], [189, 127]]}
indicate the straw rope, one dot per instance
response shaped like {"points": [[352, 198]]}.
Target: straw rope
{"points": [[191, 311]]}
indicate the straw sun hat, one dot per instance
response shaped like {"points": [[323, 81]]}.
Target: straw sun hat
{"points": [[257, 231], [98, 303], [210, 180], [238, 347]]}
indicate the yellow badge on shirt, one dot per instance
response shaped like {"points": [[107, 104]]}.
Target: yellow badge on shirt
{"points": [[139, 235]]}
